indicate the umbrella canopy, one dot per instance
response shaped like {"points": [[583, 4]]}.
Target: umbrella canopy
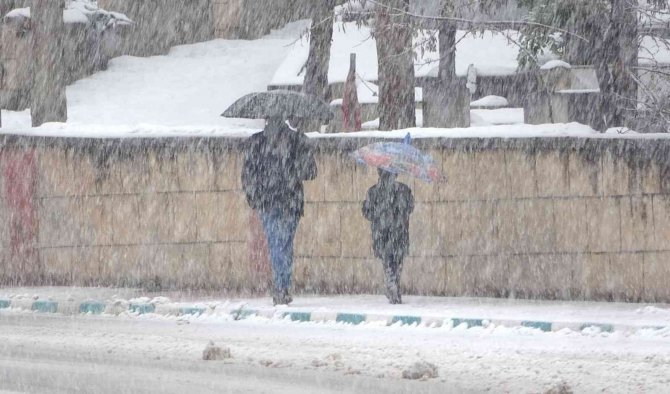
{"points": [[400, 158], [279, 104]]}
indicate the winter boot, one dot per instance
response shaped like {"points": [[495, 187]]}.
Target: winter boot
{"points": [[281, 297], [392, 290]]}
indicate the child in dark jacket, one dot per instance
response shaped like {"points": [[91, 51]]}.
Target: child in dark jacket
{"points": [[387, 206]]}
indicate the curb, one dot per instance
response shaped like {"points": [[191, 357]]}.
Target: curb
{"points": [[98, 307], [241, 313], [432, 321]]}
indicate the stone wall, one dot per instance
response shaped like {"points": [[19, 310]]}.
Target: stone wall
{"points": [[547, 218]]}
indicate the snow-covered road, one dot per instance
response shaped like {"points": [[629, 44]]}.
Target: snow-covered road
{"points": [[40, 353]]}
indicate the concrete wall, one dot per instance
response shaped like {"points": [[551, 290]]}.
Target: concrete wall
{"points": [[548, 218]]}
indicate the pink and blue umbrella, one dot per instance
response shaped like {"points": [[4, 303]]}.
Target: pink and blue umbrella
{"points": [[400, 158]]}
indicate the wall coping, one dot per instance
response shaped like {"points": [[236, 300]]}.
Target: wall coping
{"points": [[335, 142]]}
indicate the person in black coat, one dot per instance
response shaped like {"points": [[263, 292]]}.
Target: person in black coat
{"points": [[276, 162], [388, 206]]}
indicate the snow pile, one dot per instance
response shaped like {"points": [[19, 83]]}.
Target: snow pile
{"points": [[213, 352], [421, 370], [501, 131], [92, 11], [159, 300], [83, 11], [490, 101], [552, 64], [353, 10], [653, 310], [18, 13], [561, 388]]}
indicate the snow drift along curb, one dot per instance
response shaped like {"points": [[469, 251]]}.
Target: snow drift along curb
{"points": [[432, 321], [140, 308]]}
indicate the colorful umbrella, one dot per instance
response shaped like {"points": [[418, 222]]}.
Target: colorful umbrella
{"points": [[400, 158]]}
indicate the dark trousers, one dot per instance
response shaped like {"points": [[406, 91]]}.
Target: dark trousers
{"points": [[392, 271]]}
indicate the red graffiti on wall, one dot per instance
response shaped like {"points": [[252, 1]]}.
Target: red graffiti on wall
{"points": [[19, 170]]}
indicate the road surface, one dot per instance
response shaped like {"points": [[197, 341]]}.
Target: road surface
{"points": [[124, 354]]}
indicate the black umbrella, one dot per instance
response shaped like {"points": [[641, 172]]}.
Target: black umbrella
{"points": [[279, 104]]}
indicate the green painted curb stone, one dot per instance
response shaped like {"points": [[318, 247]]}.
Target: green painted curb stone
{"points": [[142, 308], [45, 306], [406, 320], [542, 325], [298, 316], [351, 318], [470, 322], [95, 308]]}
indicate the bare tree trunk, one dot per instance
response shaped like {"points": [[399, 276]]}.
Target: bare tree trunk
{"points": [[318, 61], [49, 102], [623, 69], [447, 50], [446, 101], [396, 66], [615, 61]]}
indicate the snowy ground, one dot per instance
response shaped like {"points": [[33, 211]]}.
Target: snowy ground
{"points": [[40, 353], [613, 313], [184, 93], [57, 353], [491, 54], [181, 93]]}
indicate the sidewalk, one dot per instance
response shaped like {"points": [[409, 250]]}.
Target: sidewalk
{"points": [[354, 309]]}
